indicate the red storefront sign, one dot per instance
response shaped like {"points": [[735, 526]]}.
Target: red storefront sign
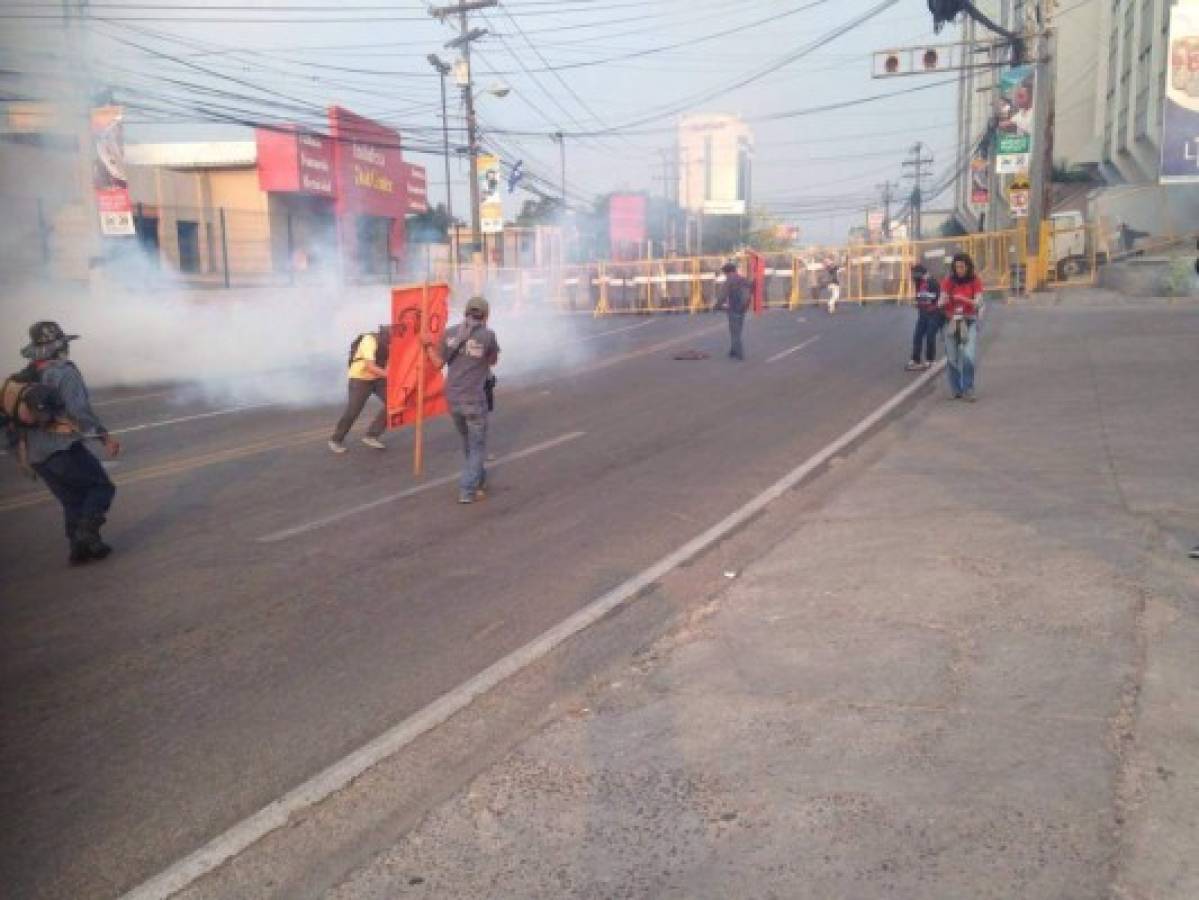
{"points": [[370, 171], [295, 162]]}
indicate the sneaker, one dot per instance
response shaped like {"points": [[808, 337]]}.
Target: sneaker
{"points": [[969, 397], [957, 395], [466, 497], [913, 366], [371, 441], [927, 365], [1194, 554], [337, 447]]}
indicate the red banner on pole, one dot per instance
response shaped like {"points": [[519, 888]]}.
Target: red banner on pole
{"points": [[407, 356], [756, 263]]}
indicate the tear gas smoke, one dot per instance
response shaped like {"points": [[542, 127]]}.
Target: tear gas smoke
{"points": [[284, 345]]}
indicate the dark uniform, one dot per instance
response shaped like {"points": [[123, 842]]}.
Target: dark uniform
{"points": [[735, 297]]}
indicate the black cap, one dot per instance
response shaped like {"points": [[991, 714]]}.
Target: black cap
{"points": [[729, 267]]}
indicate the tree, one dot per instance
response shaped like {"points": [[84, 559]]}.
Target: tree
{"points": [[430, 227]]}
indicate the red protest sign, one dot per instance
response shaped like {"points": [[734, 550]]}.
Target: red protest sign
{"points": [[407, 356], [756, 264]]}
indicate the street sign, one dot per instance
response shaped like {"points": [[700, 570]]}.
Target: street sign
{"points": [[1019, 194]]}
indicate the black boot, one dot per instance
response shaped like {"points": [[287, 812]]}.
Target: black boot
{"points": [[79, 554], [88, 538]]}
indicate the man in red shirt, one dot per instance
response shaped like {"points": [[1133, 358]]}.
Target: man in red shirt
{"points": [[961, 300]]}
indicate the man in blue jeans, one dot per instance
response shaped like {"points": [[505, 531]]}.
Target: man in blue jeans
{"points": [[56, 451], [468, 351]]}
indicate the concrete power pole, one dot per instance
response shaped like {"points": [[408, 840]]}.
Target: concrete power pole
{"points": [[921, 167], [463, 42], [1040, 174], [887, 187]]}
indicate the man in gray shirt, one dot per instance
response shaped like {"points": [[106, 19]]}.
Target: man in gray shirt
{"points": [[468, 351], [56, 451]]}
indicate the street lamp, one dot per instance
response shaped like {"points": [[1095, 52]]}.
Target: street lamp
{"points": [[444, 69]]}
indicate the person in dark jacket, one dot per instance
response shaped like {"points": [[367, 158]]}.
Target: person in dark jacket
{"points": [[57, 454], [735, 296], [928, 318]]}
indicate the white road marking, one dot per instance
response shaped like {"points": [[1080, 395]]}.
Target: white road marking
{"points": [[116, 400], [794, 349], [276, 536], [322, 785], [592, 337], [181, 419]]}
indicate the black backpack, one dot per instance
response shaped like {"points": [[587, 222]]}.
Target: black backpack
{"points": [[382, 350]]}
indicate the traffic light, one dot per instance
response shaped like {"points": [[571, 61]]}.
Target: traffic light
{"points": [[930, 60], [944, 11], [891, 64]]}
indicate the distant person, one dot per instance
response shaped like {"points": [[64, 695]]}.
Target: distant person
{"points": [[928, 318], [735, 296], [833, 283], [50, 417], [367, 375], [468, 351], [960, 303]]}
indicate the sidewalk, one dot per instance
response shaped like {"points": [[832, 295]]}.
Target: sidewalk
{"points": [[973, 673]]}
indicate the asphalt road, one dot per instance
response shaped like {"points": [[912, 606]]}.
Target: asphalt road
{"points": [[254, 625]]}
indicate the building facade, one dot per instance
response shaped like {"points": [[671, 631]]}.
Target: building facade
{"points": [[715, 154]]}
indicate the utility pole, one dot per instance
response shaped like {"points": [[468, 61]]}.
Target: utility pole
{"points": [[75, 14], [1040, 200], [463, 42], [444, 69], [561, 139], [921, 168], [887, 187]]}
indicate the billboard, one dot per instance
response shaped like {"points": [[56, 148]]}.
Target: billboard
{"points": [[1014, 120], [1180, 118], [491, 200], [109, 181], [626, 223], [417, 188]]}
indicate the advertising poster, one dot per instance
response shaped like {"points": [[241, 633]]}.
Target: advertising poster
{"points": [[980, 181], [1180, 118], [407, 356], [108, 172], [1014, 120], [491, 201], [1019, 195]]}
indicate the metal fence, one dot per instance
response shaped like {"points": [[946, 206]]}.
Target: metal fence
{"points": [[870, 273]]}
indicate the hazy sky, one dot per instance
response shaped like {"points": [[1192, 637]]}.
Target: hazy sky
{"points": [[576, 66]]}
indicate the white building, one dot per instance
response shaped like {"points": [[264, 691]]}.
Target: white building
{"points": [[714, 165], [1111, 62]]}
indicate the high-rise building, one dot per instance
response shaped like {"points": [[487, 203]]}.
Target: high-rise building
{"points": [[714, 164]]}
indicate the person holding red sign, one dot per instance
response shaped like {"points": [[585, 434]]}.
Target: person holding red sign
{"points": [[961, 302]]}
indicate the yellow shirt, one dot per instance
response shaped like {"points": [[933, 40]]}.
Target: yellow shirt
{"points": [[365, 353]]}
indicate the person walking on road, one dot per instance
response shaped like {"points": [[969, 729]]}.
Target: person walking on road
{"points": [[928, 318], [833, 281], [735, 296], [54, 446], [961, 302], [367, 375], [468, 351]]}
